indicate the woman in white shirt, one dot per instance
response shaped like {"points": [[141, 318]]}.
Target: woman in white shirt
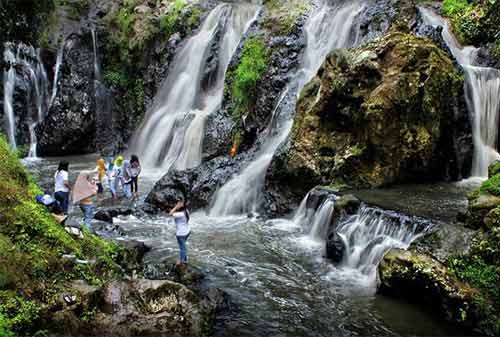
{"points": [[181, 219], [62, 186]]}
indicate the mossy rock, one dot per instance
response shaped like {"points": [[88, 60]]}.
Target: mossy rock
{"points": [[375, 115], [492, 219], [494, 169], [422, 279]]}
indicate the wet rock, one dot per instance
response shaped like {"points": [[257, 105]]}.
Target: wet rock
{"points": [[73, 112], [444, 241], [335, 247], [108, 213], [480, 206], [131, 255], [158, 308], [371, 125], [196, 185], [420, 278]]}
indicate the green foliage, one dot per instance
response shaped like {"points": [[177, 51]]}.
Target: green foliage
{"points": [[32, 270], [491, 186], [245, 78], [169, 22], [474, 22], [480, 267]]}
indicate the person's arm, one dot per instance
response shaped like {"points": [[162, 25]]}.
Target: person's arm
{"points": [[173, 210]]}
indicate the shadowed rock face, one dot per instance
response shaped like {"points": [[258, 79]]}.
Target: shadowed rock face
{"points": [[422, 279], [377, 115]]}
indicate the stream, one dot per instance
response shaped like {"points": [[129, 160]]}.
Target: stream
{"points": [[273, 271]]}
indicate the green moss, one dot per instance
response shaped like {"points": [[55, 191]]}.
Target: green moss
{"points": [[491, 186], [245, 79], [284, 15], [481, 269]]}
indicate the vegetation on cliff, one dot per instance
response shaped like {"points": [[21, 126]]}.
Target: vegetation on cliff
{"points": [[33, 271], [475, 22]]}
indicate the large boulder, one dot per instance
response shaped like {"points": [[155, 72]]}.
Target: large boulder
{"points": [[422, 279], [158, 308], [197, 185], [376, 115]]}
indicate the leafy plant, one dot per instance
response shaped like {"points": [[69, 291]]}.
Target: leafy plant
{"points": [[253, 64]]}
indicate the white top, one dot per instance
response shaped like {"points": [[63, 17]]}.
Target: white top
{"points": [[181, 223], [60, 177]]}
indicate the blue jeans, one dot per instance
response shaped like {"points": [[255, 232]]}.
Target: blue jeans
{"points": [[88, 215], [63, 198], [127, 189], [181, 240]]}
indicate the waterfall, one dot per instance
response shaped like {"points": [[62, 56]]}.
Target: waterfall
{"points": [[25, 70], [172, 133], [482, 86], [59, 60], [9, 82], [329, 27], [322, 220], [371, 233]]}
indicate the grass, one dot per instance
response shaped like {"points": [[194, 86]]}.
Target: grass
{"points": [[32, 270], [245, 78]]}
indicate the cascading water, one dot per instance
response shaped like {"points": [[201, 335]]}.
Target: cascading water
{"points": [[9, 82], [371, 233], [483, 97], [59, 60], [25, 70], [329, 27], [172, 133]]}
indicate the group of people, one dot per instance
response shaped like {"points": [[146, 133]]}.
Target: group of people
{"points": [[114, 173], [90, 185]]}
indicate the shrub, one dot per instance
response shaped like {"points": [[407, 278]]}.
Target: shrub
{"points": [[253, 64], [169, 22], [491, 186]]}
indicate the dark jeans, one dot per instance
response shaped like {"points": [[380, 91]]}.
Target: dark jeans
{"points": [[63, 198], [181, 240], [134, 184]]}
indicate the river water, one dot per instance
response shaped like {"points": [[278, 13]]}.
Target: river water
{"points": [[275, 274]]}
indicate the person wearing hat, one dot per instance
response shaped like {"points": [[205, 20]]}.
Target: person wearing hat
{"points": [[181, 219]]}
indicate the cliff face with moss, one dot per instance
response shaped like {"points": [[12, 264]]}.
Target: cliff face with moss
{"points": [[378, 115]]}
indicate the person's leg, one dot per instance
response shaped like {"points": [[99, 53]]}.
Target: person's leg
{"points": [[127, 190], [181, 240], [65, 203], [112, 187], [135, 188], [88, 215]]}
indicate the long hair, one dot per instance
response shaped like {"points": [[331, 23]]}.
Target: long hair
{"points": [[63, 166], [134, 159]]}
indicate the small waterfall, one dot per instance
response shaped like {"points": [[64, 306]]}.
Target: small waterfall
{"points": [[59, 60], [322, 220], [25, 70], [9, 82], [328, 28], [482, 86], [172, 133], [372, 232]]}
